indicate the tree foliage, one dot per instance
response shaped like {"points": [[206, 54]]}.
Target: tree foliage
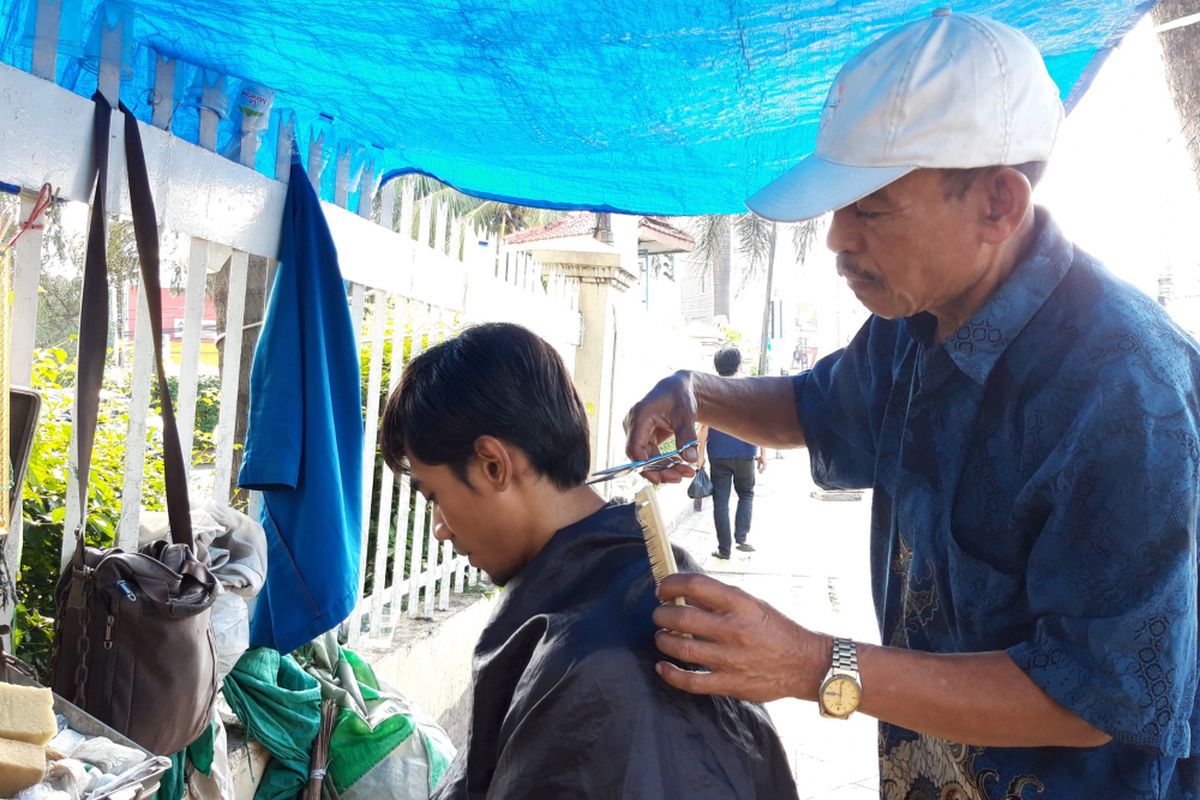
{"points": [[715, 235], [488, 215]]}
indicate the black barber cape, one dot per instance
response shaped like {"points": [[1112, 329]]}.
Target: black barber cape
{"points": [[566, 702]]}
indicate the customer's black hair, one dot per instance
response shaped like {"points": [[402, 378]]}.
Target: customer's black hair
{"points": [[496, 380], [727, 360]]}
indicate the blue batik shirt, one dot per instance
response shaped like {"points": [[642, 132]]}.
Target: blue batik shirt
{"points": [[1035, 491]]}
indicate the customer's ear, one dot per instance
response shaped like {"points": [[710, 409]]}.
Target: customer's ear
{"points": [[493, 463]]}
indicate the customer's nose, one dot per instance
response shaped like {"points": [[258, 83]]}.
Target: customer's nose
{"points": [[441, 531]]}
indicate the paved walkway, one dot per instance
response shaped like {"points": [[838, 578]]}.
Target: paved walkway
{"points": [[811, 563]]}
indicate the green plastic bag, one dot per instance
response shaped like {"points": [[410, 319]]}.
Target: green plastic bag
{"points": [[382, 746]]}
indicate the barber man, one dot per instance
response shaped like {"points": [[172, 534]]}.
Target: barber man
{"points": [[1028, 424]]}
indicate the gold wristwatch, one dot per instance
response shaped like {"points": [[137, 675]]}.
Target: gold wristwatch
{"points": [[841, 690]]}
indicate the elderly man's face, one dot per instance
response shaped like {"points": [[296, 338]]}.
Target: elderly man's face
{"points": [[909, 247]]}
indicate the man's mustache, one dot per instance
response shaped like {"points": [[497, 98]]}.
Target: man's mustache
{"points": [[847, 268]]}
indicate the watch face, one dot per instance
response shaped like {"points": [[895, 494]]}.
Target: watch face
{"points": [[840, 695]]}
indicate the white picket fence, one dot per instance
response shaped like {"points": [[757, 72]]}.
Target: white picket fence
{"points": [[415, 291]]}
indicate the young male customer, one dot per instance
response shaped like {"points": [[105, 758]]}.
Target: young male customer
{"points": [[565, 699]]}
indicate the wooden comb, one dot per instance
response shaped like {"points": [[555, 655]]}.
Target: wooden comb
{"points": [[654, 534]]}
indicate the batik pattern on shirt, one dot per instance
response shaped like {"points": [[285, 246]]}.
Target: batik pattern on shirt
{"points": [[1035, 485]]}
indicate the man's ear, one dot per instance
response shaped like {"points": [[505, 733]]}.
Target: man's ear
{"points": [[494, 465], [1005, 200]]}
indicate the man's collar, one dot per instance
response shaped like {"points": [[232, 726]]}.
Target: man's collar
{"points": [[978, 344]]}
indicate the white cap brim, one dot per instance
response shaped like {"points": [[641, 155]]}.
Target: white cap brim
{"points": [[816, 186]]}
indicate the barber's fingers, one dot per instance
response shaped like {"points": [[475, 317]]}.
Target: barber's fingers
{"points": [[688, 650], [693, 681], [669, 409], [649, 424], [705, 591], [691, 620], [673, 474]]}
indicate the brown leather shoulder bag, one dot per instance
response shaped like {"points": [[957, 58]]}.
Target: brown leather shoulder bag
{"points": [[134, 643]]}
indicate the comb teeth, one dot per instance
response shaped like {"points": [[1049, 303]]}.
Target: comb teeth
{"points": [[654, 534]]}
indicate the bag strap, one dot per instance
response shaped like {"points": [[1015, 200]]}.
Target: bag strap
{"points": [[93, 318]]}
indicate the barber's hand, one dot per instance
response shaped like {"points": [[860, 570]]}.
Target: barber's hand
{"points": [[762, 464], [750, 650], [668, 410]]}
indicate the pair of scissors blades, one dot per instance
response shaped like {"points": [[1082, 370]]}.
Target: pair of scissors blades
{"points": [[659, 462]]}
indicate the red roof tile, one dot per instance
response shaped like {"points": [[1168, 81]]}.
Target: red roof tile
{"points": [[583, 223]]}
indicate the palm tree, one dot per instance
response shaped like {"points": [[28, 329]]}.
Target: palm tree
{"points": [[489, 215], [804, 235], [1179, 45], [713, 236], [756, 240]]}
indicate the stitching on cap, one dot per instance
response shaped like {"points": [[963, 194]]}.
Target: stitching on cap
{"points": [[1004, 83], [904, 77]]}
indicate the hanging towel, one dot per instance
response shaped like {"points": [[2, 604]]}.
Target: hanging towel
{"points": [[305, 436]]}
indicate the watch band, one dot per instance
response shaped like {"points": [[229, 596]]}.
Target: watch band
{"points": [[845, 656]]}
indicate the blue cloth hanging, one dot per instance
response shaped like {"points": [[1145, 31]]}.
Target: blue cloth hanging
{"points": [[304, 443]]}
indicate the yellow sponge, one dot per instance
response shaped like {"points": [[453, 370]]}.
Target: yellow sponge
{"points": [[26, 714], [21, 766]]}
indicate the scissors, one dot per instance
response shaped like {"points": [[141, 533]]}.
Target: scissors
{"points": [[661, 461]]}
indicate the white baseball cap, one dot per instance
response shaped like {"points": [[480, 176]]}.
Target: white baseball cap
{"points": [[950, 91]]}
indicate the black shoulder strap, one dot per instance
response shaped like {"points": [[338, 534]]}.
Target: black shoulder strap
{"points": [[93, 314], [93, 321]]}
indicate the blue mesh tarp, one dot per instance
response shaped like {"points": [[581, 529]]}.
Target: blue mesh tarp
{"points": [[663, 108]]}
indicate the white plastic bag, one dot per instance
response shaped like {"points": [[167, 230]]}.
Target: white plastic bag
{"points": [[231, 630], [218, 784]]}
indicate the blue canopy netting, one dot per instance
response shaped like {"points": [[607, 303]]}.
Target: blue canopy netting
{"points": [[671, 108]]}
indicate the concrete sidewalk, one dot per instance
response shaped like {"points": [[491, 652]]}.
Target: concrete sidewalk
{"points": [[811, 564]]}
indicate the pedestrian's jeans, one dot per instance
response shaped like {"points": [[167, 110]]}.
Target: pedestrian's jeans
{"points": [[738, 472]]}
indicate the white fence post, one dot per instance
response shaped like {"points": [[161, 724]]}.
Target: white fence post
{"points": [[316, 157], [164, 91], [283, 145], [108, 83], [387, 488], [341, 184], [415, 574], [440, 228], [45, 43], [27, 271], [231, 364], [214, 85], [135, 439], [387, 206], [425, 222], [27, 268], [189, 356], [379, 309], [445, 570]]}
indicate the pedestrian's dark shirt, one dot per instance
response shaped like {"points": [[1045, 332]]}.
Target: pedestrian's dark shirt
{"points": [[1036, 491], [566, 702], [723, 445]]}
